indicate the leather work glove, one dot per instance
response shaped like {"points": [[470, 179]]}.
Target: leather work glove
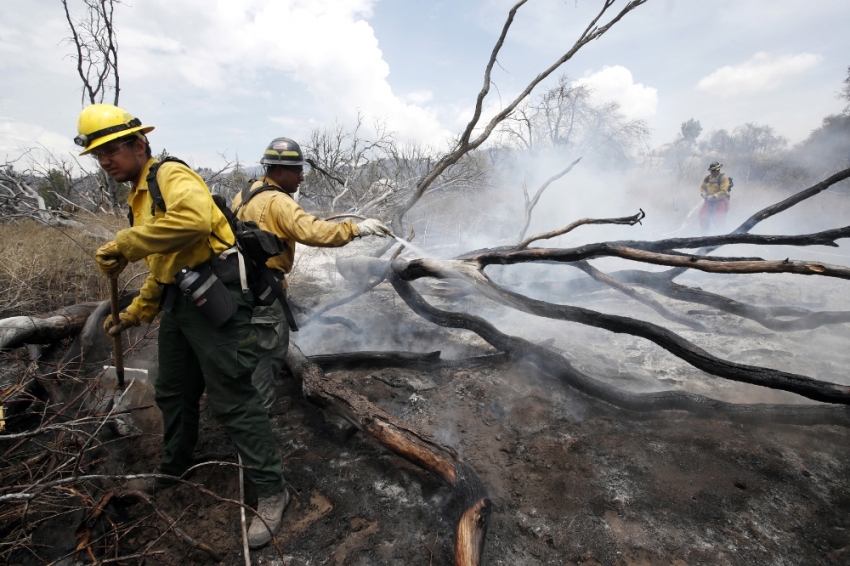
{"points": [[109, 259], [372, 227], [125, 321]]}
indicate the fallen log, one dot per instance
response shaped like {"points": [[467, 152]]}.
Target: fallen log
{"points": [[402, 439], [636, 251], [646, 300], [558, 366], [781, 319], [778, 318], [667, 339], [67, 321]]}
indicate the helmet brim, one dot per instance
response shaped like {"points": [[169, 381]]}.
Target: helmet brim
{"points": [[282, 163], [108, 138]]}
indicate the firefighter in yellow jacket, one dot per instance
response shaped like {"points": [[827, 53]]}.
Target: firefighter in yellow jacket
{"points": [[205, 344], [270, 204], [715, 191]]}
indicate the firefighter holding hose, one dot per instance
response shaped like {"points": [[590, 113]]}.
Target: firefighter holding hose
{"points": [[715, 190], [270, 204]]}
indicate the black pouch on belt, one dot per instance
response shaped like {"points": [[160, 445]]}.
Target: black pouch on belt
{"points": [[227, 269], [205, 289]]}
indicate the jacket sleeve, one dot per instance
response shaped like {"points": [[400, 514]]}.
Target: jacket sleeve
{"points": [[146, 305], [182, 225], [703, 189], [291, 222]]}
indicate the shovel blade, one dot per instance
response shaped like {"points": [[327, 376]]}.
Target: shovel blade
{"points": [[108, 389]]}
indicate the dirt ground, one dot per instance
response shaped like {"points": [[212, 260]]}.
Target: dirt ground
{"points": [[572, 481]]}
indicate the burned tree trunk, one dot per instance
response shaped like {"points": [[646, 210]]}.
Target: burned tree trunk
{"points": [[670, 341], [402, 439], [558, 366]]}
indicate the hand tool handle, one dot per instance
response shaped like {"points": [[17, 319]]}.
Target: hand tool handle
{"points": [[117, 348]]}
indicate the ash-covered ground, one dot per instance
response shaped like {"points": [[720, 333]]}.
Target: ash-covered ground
{"points": [[572, 481]]}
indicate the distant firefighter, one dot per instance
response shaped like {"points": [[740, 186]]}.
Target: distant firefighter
{"points": [[715, 191]]}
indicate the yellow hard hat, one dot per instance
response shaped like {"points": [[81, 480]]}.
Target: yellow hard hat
{"points": [[102, 123]]}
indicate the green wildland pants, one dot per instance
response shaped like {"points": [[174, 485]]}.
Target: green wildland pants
{"points": [[272, 344], [194, 356]]}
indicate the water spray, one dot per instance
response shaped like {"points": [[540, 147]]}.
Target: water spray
{"points": [[414, 248]]}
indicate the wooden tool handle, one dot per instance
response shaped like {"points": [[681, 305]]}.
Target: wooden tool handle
{"points": [[117, 348]]}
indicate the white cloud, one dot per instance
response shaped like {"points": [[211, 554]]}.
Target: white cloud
{"points": [[617, 84], [419, 96], [18, 138], [327, 46], [761, 73], [296, 59]]}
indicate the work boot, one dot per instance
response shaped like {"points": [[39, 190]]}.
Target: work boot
{"points": [[271, 510], [150, 485]]}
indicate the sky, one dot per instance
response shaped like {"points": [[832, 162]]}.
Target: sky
{"points": [[220, 78]]}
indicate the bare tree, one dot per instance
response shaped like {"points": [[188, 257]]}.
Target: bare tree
{"points": [[350, 168], [96, 46], [566, 117], [466, 142], [96, 53], [754, 151]]}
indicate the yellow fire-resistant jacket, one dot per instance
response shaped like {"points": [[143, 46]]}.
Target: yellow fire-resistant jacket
{"points": [[278, 212], [179, 237], [715, 189]]}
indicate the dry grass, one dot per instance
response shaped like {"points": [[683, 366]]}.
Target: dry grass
{"points": [[43, 268]]}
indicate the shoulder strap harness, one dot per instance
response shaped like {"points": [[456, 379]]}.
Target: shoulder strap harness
{"points": [[153, 184], [153, 187], [248, 194]]}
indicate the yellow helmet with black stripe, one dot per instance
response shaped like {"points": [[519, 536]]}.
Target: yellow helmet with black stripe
{"points": [[102, 123]]}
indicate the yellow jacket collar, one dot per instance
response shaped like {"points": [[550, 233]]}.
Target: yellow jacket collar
{"points": [[141, 183]]}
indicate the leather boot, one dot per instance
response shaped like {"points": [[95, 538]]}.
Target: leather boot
{"points": [[271, 510]]}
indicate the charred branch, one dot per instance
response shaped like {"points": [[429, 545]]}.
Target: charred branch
{"points": [[778, 318], [670, 341], [412, 445], [628, 220], [630, 249], [781, 319], [793, 200], [558, 366], [643, 299]]}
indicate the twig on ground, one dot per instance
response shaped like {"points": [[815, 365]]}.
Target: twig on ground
{"points": [[245, 551]]}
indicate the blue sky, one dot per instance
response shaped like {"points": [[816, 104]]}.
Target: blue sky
{"points": [[224, 76]]}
